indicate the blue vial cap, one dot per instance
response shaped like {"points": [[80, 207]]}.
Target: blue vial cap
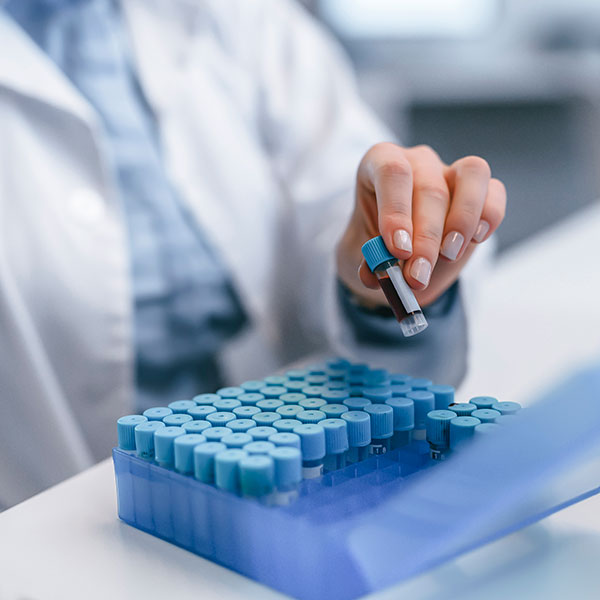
{"points": [[157, 413], [486, 415], [355, 391], [270, 405], [177, 420], [376, 378], [461, 429], [357, 403], [236, 440], [404, 413], [420, 384], [273, 391], [257, 476], [376, 253], [163, 444], [205, 399], [283, 438], [278, 380], [293, 385], [289, 411], [241, 425], [196, 426], [438, 427], [317, 369], [144, 438], [443, 394], [507, 408], [358, 368], [338, 386], [259, 447], [359, 428], [200, 412], [226, 404], [292, 398], [334, 411], [377, 395], [182, 406], [204, 460], [486, 428], [316, 379], [400, 390], [250, 399], [311, 416], [312, 441], [215, 434], [220, 418], [336, 374], [227, 469], [400, 379], [312, 403], [483, 401], [462, 409], [126, 430], [266, 418], [261, 434], [253, 385], [424, 403], [296, 374], [338, 362], [288, 466], [336, 435], [313, 391], [245, 412], [382, 420], [231, 392], [335, 396], [354, 379], [184, 451], [286, 425]]}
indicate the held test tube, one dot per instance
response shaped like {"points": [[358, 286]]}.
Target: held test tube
{"points": [[400, 296]]}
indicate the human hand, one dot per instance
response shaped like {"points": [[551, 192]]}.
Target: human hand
{"points": [[430, 215]]}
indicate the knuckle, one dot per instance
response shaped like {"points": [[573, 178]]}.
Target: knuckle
{"points": [[395, 168], [428, 236], [438, 193], [477, 165], [425, 150]]}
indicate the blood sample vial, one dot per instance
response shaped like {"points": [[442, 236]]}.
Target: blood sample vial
{"points": [[398, 293]]}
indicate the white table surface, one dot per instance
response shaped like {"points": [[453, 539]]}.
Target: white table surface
{"points": [[68, 543]]}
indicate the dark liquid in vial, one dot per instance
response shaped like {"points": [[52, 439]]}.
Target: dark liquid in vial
{"points": [[393, 299]]}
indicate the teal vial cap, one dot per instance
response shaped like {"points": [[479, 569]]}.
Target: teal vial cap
{"points": [[292, 397], [376, 252], [404, 413], [253, 385], [486, 428], [269, 405], [461, 429], [316, 379], [286, 425], [486, 415], [164, 439], [236, 440], [462, 409], [338, 386], [336, 435], [377, 395], [220, 418], [278, 380], [376, 377], [311, 416], [205, 399], [356, 403], [200, 411], [312, 441], [250, 399], [312, 403], [182, 406], [335, 396], [295, 385], [443, 394], [288, 466], [227, 469], [285, 438], [382, 420], [245, 412], [438, 427], [483, 401], [230, 392], [424, 402], [266, 419], [257, 475], [216, 434], [314, 391], [177, 420], [196, 426], [126, 430], [359, 428], [288, 411], [400, 379], [400, 389], [144, 438], [259, 447], [241, 425], [334, 411], [184, 451], [262, 433], [420, 384], [507, 408], [226, 404], [296, 374], [204, 460], [158, 413], [273, 391]]}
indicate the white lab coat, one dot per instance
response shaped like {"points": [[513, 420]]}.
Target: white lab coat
{"points": [[262, 132]]}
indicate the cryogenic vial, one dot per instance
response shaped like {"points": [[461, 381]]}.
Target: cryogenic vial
{"points": [[317, 369], [483, 401], [164, 439], [157, 413], [400, 390], [183, 447], [288, 474], [311, 416], [312, 403], [236, 440], [227, 469], [259, 447], [286, 425], [420, 384], [216, 434], [292, 397], [336, 444], [461, 429], [261, 434], [289, 411], [126, 430], [507, 408], [424, 402], [266, 419], [336, 374], [438, 432], [177, 420], [269, 405], [377, 395], [230, 392], [399, 295], [444, 396], [486, 415], [278, 380], [196, 426], [182, 406], [376, 378], [316, 379], [359, 435], [226, 404], [312, 441], [356, 403], [257, 477], [283, 438], [241, 425], [336, 386], [273, 391], [220, 418], [250, 398], [462, 409], [400, 379], [253, 385], [355, 391], [205, 399], [245, 412], [204, 460], [293, 385], [382, 427], [200, 411], [144, 438], [314, 391], [334, 411], [404, 420], [296, 374]]}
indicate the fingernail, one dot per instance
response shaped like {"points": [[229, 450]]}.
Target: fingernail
{"points": [[453, 242], [481, 231], [421, 270], [401, 240]]}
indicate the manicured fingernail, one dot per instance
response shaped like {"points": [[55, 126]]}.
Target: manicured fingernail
{"points": [[453, 242], [421, 270], [402, 241], [481, 231]]}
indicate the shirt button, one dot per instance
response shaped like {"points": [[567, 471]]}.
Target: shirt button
{"points": [[87, 205]]}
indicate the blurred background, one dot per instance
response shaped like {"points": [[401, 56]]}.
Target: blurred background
{"points": [[515, 82]]}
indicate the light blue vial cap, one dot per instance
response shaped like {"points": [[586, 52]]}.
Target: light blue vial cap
{"points": [[182, 406], [486, 428], [205, 399], [227, 469], [336, 435], [400, 390], [312, 441], [382, 420], [184, 451], [507, 408], [282, 438], [177, 420], [483, 401], [220, 418], [126, 430], [438, 427], [289, 411], [420, 384], [288, 466], [334, 411], [245, 412], [311, 416], [250, 398], [261, 434], [358, 368], [424, 403], [317, 369], [164, 439], [376, 378], [266, 419], [444, 396], [335, 396], [295, 385], [259, 447], [204, 460], [296, 374], [215, 434], [144, 438], [200, 412], [400, 379], [334, 374], [316, 379], [313, 391], [257, 475], [278, 380], [273, 391], [312, 403], [236, 440], [357, 403], [359, 428], [338, 386], [196, 426], [377, 395], [461, 429], [404, 413], [286, 425], [253, 385], [338, 362], [269, 405], [462, 409], [158, 413], [376, 252], [486, 415], [241, 425], [226, 404], [292, 397], [230, 392]]}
